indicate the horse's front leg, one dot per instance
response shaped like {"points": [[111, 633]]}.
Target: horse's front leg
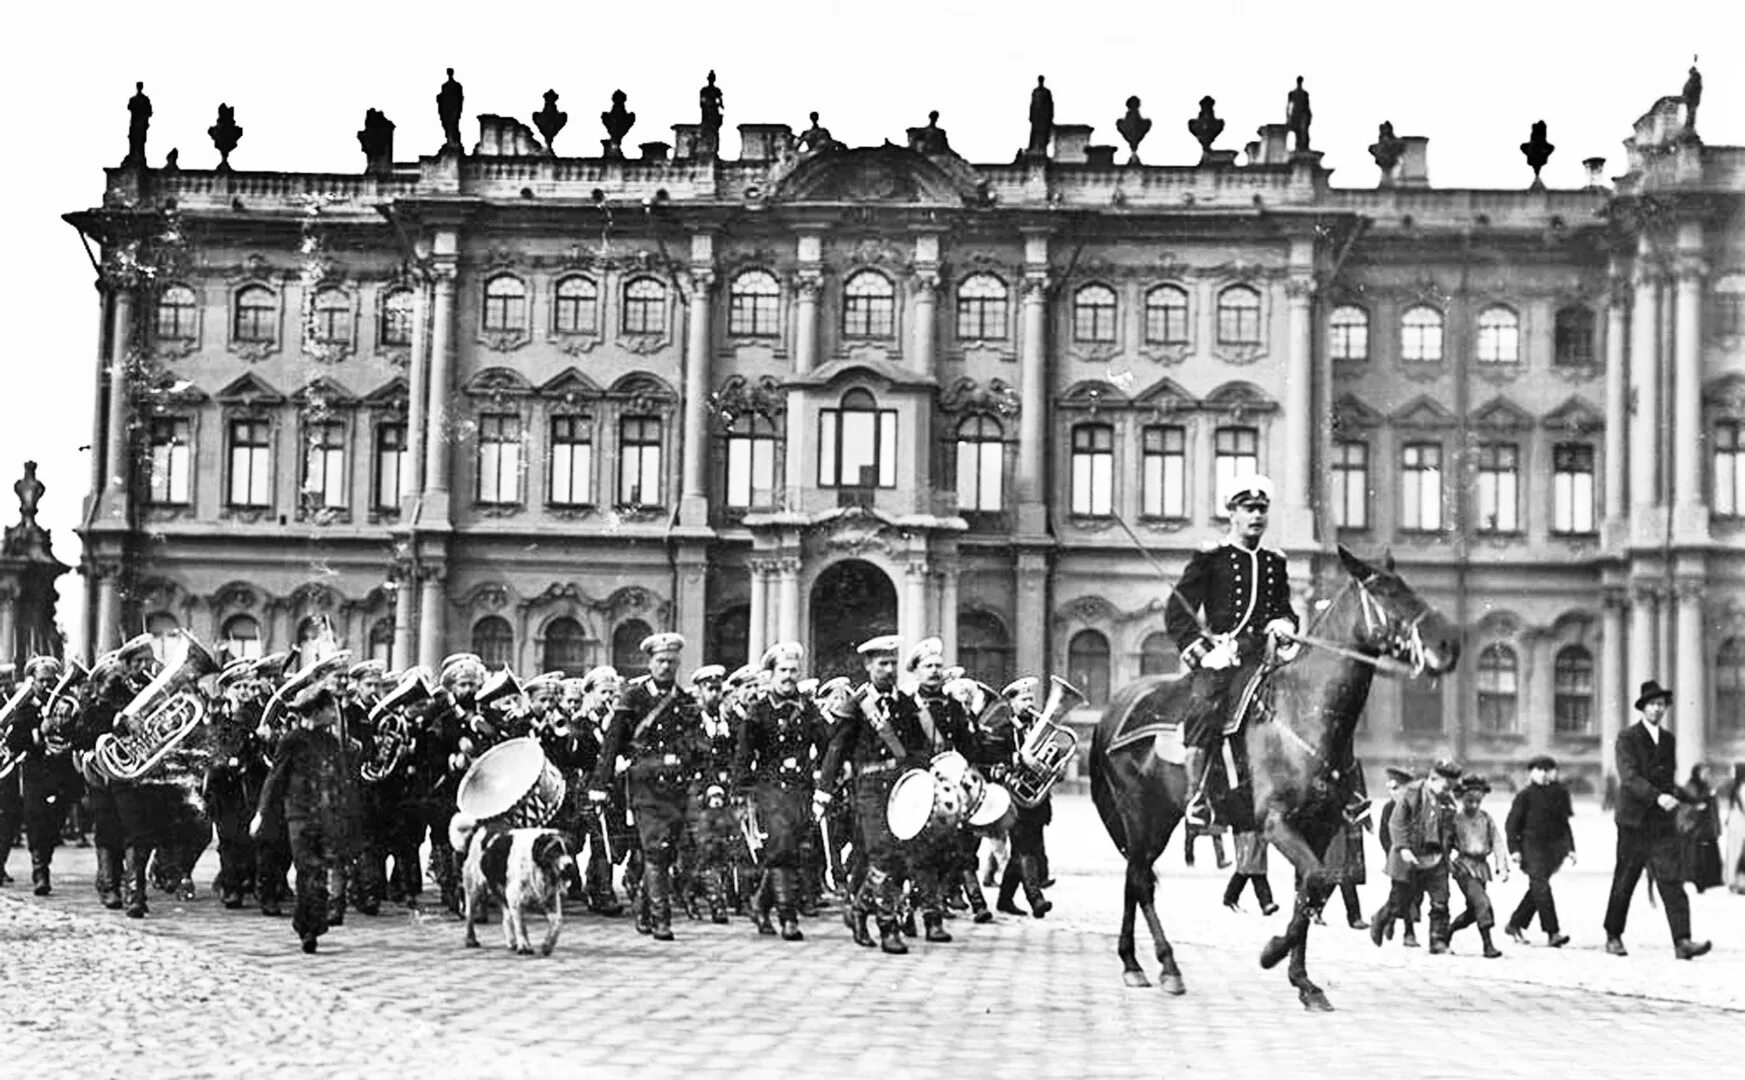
{"points": [[1309, 902], [1131, 973], [1170, 977]]}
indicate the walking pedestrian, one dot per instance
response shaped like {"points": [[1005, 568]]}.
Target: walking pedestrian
{"points": [[1540, 841]]}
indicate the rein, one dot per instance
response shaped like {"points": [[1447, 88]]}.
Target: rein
{"points": [[1373, 617]]}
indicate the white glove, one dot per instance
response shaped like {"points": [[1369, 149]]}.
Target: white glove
{"points": [[254, 826], [597, 797], [1195, 652], [1281, 628], [820, 803]]}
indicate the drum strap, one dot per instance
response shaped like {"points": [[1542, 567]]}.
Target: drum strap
{"points": [[655, 713], [927, 724], [882, 726]]}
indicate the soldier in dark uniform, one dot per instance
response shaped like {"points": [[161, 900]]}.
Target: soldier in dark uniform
{"points": [[366, 882], [713, 828], [939, 860], [234, 775], [116, 679], [272, 846], [43, 767], [607, 827], [1024, 867], [446, 747], [1245, 592], [658, 727], [549, 722], [778, 741]]}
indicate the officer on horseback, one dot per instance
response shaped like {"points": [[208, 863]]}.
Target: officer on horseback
{"points": [[1244, 590]]}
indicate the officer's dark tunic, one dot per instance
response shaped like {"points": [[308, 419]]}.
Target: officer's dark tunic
{"points": [[1240, 590]]}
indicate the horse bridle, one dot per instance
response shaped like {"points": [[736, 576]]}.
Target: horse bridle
{"points": [[1400, 644]]}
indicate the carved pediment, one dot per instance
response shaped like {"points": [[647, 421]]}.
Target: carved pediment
{"points": [[739, 396], [644, 392], [1423, 413], [884, 174], [250, 389], [1351, 415], [858, 530], [1239, 398], [1575, 416], [491, 596], [1501, 414], [966, 397], [570, 384], [498, 382], [323, 392], [881, 373], [1094, 395], [314, 596], [392, 394], [1165, 396]]}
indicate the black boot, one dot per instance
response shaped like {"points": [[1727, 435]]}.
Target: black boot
{"points": [[109, 878], [890, 940], [1009, 880], [660, 904], [784, 890], [1199, 809], [972, 888], [133, 868], [1461, 922], [39, 872], [935, 923], [715, 888], [763, 899], [1031, 870], [860, 907], [806, 892]]}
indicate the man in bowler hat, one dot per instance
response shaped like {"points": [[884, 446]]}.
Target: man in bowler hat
{"points": [[1647, 763]]}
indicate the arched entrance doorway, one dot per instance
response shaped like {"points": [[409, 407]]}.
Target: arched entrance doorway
{"points": [[851, 602]]}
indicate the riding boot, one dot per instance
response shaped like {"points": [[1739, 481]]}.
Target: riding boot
{"points": [[336, 896], [1198, 810], [972, 888], [761, 903], [1439, 930], [109, 878], [715, 887], [660, 901], [806, 892], [889, 891], [1009, 882], [1031, 869], [890, 938], [784, 885], [639, 904], [39, 871], [133, 871], [935, 923]]}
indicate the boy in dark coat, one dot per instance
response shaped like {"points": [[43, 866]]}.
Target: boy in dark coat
{"points": [[1384, 917], [312, 788], [1539, 839]]}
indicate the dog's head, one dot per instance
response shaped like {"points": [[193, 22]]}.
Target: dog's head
{"points": [[551, 853]]}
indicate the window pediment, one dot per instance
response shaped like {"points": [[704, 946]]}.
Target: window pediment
{"points": [[570, 383], [323, 391], [1094, 395], [1576, 416], [1165, 396], [1423, 414], [882, 174], [498, 382], [1239, 399], [1350, 414], [392, 394], [1501, 414], [250, 389]]}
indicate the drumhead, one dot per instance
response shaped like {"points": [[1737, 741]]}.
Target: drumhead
{"points": [[500, 777], [910, 804], [996, 801], [949, 766]]}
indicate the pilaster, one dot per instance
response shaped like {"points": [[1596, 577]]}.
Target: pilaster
{"points": [[432, 614], [1690, 685], [787, 571], [1032, 612], [1297, 522], [1616, 532], [690, 596], [1645, 386], [1690, 514], [1033, 391], [694, 503], [1614, 705], [1644, 635], [757, 634], [437, 457]]}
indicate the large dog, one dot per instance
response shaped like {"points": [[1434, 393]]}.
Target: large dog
{"points": [[517, 868]]}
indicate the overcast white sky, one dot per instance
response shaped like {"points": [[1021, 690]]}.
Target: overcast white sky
{"points": [[1471, 76]]}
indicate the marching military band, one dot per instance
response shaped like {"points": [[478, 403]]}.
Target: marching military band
{"points": [[757, 793]]}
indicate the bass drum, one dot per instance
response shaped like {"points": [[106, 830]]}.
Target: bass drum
{"points": [[910, 804], [511, 786], [996, 803]]}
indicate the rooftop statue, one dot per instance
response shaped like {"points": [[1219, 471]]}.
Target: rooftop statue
{"points": [[448, 108], [930, 139], [550, 120], [225, 135], [1297, 115], [1133, 129], [710, 102], [1206, 127], [816, 140], [1693, 96], [1537, 151], [618, 121], [1041, 119], [377, 142], [1388, 148], [139, 120]]}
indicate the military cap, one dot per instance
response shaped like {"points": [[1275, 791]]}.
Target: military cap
{"points": [[49, 662], [839, 684], [551, 680], [1247, 487], [1399, 775], [741, 675], [463, 664], [708, 673], [454, 658], [807, 686], [954, 672], [134, 646], [1447, 768], [889, 645], [272, 667], [1474, 782], [923, 649], [665, 642], [782, 650], [236, 670], [367, 669], [1020, 685], [577, 685], [592, 680], [313, 699], [1543, 761]]}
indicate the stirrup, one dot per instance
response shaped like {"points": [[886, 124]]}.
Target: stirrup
{"points": [[1198, 811]]}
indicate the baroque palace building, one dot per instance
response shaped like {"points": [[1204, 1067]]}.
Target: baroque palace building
{"points": [[537, 406]]}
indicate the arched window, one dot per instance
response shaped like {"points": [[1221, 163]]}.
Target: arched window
{"points": [[505, 303], [398, 309], [566, 647], [730, 637], [242, 637], [1087, 664], [754, 305], [1239, 316], [981, 308], [869, 306], [751, 461], [331, 318], [1573, 337], [257, 315], [176, 314], [627, 655], [1573, 687], [857, 443], [1730, 686], [1348, 333], [382, 639], [1166, 316], [494, 641], [1421, 336], [1158, 655], [577, 310], [983, 648], [644, 307], [160, 625], [1498, 688], [981, 460], [1499, 336], [1093, 315]]}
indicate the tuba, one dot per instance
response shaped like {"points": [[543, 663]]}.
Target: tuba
{"points": [[157, 720], [1047, 747], [502, 687], [393, 738], [273, 716], [8, 717]]}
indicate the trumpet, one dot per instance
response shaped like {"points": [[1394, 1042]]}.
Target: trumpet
{"points": [[1047, 748], [157, 720]]}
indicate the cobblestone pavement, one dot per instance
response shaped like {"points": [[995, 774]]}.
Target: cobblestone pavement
{"points": [[196, 991]]}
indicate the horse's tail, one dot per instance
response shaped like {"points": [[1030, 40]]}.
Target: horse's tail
{"points": [[1102, 796]]}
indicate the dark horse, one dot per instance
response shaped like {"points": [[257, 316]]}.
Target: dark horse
{"points": [[1298, 740]]}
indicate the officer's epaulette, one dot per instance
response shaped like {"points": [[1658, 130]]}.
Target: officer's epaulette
{"points": [[1211, 545]]}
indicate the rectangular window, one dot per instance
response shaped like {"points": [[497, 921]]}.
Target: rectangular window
{"points": [[857, 448], [639, 461], [751, 470], [324, 467], [1351, 485], [1729, 500], [1499, 476], [391, 465], [1421, 706], [1164, 468], [572, 461], [980, 469], [171, 457], [1572, 489], [251, 463], [1729, 308], [1573, 705], [1236, 452], [1421, 495], [1093, 470], [499, 458]]}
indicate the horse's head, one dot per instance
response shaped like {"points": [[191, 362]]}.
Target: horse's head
{"points": [[1396, 621]]}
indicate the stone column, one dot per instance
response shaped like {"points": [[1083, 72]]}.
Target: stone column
{"points": [[100, 404], [1690, 514], [809, 280], [788, 599], [1032, 613], [1645, 384], [694, 503], [914, 615], [757, 636], [405, 632], [1613, 704], [417, 396], [690, 599], [432, 609], [1690, 683], [926, 320], [1298, 518], [436, 452], [948, 601], [116, 470], [1033, 400], [1617, 408], [9, 627], [1644, 639], [108, 610]]}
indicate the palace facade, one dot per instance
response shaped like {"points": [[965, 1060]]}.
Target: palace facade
{"points": [[537, 406]]}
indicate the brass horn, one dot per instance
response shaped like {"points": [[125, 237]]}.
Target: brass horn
{"points": [[414, 689], [273, 715], [158, 718], [1048, 746], [503, 685]]}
